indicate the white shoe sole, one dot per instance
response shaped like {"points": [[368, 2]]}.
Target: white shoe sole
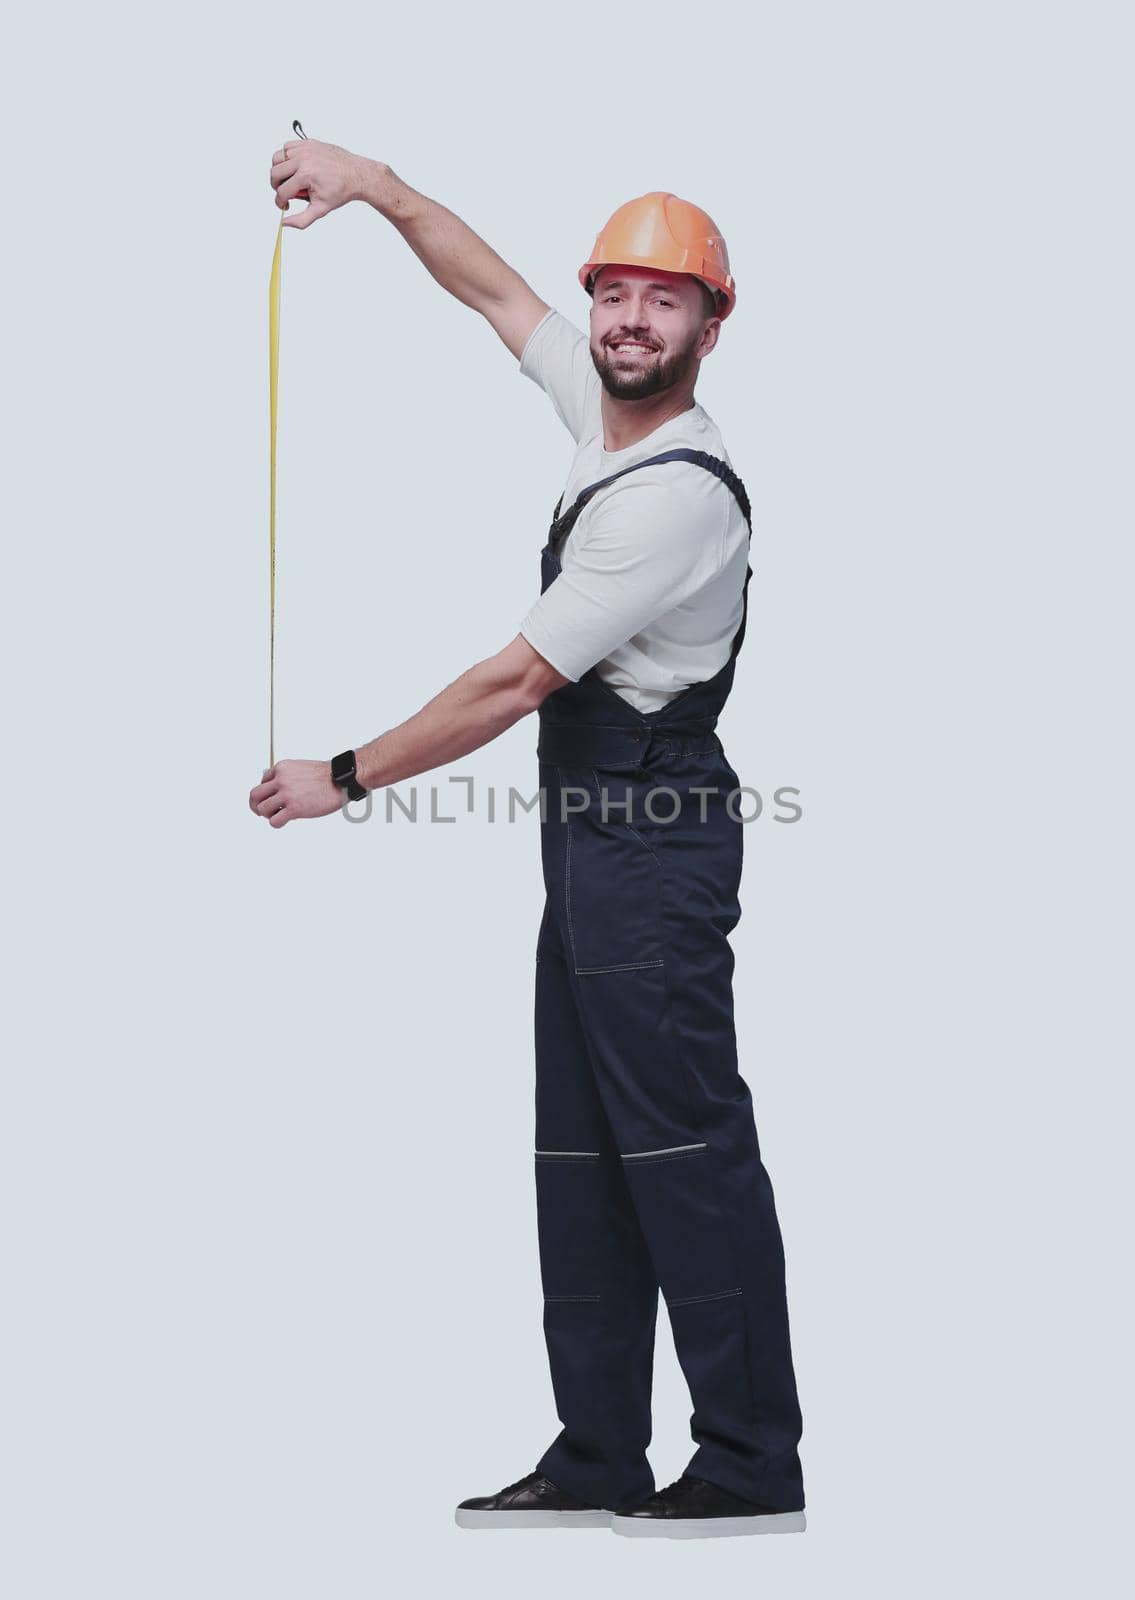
{"points": [[532, 1519], [706, 1527]]}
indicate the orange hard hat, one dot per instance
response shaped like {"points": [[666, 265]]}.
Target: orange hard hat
{"points": [[659, 230]]}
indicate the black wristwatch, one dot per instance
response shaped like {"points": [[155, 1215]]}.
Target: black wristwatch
{"points": [[343, 773]]}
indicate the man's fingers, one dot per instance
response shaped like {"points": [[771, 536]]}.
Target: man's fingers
{"points": [[282, 168], [262, 792], [292, 188], [314, 211], [281, 816]]}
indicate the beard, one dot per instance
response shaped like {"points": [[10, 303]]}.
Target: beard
{"points": [[640, 376]]}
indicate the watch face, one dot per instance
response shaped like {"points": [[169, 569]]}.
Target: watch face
{"points": [[343, 766]]}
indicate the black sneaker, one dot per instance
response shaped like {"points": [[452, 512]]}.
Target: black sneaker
{"points": [[531, 1502], [691, 1508]]}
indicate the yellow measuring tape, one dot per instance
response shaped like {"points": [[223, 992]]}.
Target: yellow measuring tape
{"points": [[273, 398]]}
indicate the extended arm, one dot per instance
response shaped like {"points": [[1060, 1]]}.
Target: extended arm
{"points": [[468, 713], [327, 176]]}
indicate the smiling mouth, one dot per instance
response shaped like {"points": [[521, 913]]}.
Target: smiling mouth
{"points": [[633, 346]]}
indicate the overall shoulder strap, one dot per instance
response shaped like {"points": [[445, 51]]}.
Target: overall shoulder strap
{"points": [[698, 458]]}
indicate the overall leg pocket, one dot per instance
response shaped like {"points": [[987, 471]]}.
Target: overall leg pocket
{"points": [[612, 894]]}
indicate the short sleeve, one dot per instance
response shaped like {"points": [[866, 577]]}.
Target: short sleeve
{"points": [[557, 356], [648, 548]]}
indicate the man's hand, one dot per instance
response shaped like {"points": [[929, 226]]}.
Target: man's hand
{"points": [[294, 789], [325, 175]]}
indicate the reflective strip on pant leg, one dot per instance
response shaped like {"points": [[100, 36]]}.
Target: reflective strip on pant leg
{"points": [[669, 1150], [701, 1299]]}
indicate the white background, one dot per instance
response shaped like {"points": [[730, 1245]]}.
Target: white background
{"points": [[271, 1289]]}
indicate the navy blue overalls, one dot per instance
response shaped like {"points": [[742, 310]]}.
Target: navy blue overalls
{"points": [[648, 1171]]}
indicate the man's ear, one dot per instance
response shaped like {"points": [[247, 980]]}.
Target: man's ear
{"points": [[708, 338]]}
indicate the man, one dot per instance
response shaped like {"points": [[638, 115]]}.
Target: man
{"points": [[647, 1167]]}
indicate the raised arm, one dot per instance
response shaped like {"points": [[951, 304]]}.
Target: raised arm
{"points": [[326, 176]]}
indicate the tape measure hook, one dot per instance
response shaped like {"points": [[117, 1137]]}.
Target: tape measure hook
{"points": [[299, 129]]}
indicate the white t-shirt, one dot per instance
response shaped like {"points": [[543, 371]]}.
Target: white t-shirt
{"points": [[653, 571]]}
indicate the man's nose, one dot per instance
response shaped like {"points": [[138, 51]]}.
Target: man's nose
{"points": [[635, 316]]}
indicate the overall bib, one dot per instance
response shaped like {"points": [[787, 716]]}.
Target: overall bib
{"points": [[647, 1168]]}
